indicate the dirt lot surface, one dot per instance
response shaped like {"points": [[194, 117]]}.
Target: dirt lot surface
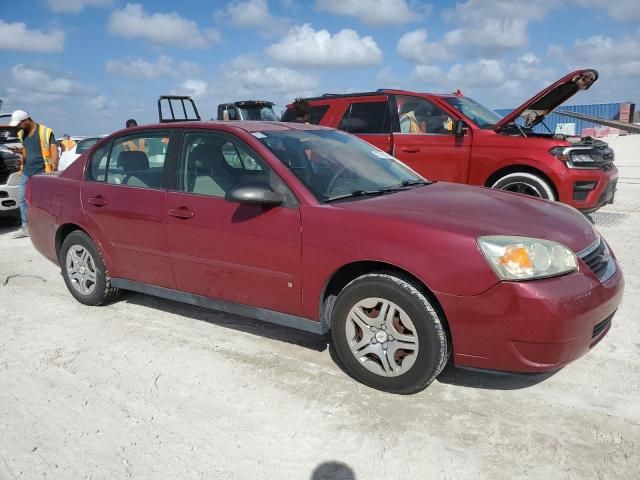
{"points": [[148, 388]]}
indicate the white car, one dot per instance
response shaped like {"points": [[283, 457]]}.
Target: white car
{"points": [[68, 157]]}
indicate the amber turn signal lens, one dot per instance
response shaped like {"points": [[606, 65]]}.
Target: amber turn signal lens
{"points": [[516, 256]]}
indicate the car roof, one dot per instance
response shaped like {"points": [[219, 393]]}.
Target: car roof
{"points": [[381, 91], [247, 126]]}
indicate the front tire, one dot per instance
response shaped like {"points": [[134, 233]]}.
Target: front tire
{"points": [[526, 184], [388, 335], [84, 270]]}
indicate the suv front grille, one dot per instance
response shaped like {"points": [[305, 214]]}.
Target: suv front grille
{"points": [[598, 258]]}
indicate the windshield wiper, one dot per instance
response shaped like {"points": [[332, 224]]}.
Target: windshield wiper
{"points": [[405, 185]]}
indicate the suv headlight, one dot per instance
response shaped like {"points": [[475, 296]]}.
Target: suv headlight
{"points": [[523, 258]]}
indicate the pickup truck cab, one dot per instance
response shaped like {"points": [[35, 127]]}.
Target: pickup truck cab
{"points": [[247, 110], [450, 137]]}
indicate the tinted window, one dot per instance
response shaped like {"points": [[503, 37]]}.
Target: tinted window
{"points": [[213, 164], [418, 115], [366, 117], [138, 160], [315, 114]]}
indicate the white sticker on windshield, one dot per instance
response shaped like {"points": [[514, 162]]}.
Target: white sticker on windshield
{"points": [[258, 134], [381, 154]]}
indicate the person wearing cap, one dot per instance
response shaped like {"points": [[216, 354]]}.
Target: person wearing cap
{"points": [[39, 155], [67, 143]]}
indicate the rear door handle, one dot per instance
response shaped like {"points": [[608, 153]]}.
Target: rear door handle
{"points": [[410, 149], [97, 201], [181, 213]]}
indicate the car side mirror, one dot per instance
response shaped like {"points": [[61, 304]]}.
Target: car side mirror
{"points": [[225, 115], [460, 128], [254, 194]]}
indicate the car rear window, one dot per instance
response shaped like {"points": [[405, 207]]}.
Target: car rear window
{"points": [[366, 117], [315, 114]]}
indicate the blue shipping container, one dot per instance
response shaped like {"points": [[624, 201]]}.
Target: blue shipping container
{"points": [[561, 124]]}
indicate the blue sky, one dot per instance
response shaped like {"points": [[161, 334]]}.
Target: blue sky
{"points": [[85, 66]]}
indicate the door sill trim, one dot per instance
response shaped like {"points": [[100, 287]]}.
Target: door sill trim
{"points": [[263, 314]]}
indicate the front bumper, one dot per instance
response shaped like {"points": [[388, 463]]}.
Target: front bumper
{"points": [[10, 195], [588, 190], [533, 326]]}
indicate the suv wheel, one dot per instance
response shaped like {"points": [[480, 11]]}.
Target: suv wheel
{"points": [[84, 270], [525, 183], [388, 335]]}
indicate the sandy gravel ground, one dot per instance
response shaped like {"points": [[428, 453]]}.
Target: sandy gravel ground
{"points": [[148, 388]]}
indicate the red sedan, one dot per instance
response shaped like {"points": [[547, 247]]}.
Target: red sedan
{"points": [[313, 228]]}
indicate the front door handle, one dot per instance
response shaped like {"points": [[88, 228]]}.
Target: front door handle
{"points": [[410, 149], [97, 201], [182, 213]]}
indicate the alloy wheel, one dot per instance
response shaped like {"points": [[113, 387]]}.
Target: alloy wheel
{"points": [[81, 269]]}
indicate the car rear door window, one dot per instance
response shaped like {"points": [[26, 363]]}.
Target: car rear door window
{"points": [[366, 117], [138, 160], [315, 114]]}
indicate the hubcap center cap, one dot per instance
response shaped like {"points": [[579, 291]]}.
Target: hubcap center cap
{"points": [[381, 336]]}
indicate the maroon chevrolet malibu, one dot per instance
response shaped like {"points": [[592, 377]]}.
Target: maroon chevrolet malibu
{"points": [[315, 229]]}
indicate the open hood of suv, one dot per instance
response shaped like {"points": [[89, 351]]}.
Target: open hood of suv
{"points": [[536, 108]]}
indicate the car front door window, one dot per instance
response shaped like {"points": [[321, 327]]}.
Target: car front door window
{"points": [[418, 115]]}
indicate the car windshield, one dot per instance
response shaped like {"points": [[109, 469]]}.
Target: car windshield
{"points": [[259, 113], [480, 115], [335, 165]]}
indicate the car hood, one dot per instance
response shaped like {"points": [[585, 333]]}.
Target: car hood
{"points": [[539, 106], [476, 211]]}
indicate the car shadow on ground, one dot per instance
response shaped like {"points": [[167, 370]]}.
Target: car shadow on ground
{"points": [[243, 324], [451, 375], [487, 380], [8, 224]]}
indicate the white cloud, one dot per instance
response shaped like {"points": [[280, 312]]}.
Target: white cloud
{"points": [[139, 68], [303, 46], [414, 46], [194, 87], [162, 28], [75, 6], [376, 12], [254, 14], [621, 10], [491, 25], [16, 36], [164, 66], [98, 102], [43, 87], [617, 57], [528, 67], [429, 74], [481, 73]]}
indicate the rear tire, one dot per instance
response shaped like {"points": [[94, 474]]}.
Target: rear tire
{"points": [[84, 270], [527, 184], [388, 335]]}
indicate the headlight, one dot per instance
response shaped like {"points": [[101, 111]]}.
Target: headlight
{"points": [[582, 158], [523, 258]]}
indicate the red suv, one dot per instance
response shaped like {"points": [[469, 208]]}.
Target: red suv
{"points": [[455, 139], [313, 228]]}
